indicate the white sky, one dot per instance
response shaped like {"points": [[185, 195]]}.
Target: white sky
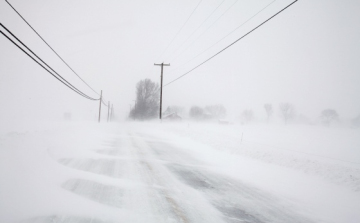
{"points": [[308, 55]]}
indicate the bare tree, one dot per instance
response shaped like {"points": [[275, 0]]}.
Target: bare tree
{"points": [[196, 112], [147, 100], [287, 111], [248, 115], [356, 121], [269, 110], [329, 115], [216, 111]]}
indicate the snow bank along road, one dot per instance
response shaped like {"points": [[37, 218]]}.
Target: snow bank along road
{"points": [[130, 174]]}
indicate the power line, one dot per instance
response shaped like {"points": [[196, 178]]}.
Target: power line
{"points": [[102, 101], [61, 79], [42, 60], [226, 34], [232, 43], [199, 26], [74, 89], [51, 47], [205, 31], [179, 30]]}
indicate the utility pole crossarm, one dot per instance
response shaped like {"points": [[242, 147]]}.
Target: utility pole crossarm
{"points": [[161, 64]]}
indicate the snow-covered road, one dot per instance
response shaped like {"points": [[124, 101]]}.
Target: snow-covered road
{"points": [[129, 174], [171, 185]]}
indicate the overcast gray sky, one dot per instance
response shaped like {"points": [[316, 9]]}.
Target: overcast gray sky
{"points": [[308, 55]]}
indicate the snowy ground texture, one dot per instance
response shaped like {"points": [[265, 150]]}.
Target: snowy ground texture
{"points": [[184, 172]]}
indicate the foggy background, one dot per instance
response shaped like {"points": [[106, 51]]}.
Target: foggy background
{"points": [[307, 55]]}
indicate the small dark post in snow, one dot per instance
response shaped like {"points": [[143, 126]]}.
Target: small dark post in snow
{"points": [[161, 85], [100, 105]]}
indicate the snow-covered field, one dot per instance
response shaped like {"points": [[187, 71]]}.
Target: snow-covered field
{"points": [[183, 172]]}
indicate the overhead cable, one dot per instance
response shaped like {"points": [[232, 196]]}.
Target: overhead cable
{"points": [[102, 101], [199, 26], [179, 30], [51, 48], [232, 43], [230, 33], [204, 31], [58, 77]]}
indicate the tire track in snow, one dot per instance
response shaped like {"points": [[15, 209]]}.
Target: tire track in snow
{"points": [[151, 178], [168, 195], [236, 201]]}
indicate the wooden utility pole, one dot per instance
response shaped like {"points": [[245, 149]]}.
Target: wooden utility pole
{"points": [[100, 105], [108, 118], [161, 85], [135, 111], [111, 112]]}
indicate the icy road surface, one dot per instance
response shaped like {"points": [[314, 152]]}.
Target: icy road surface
{"points": [[172, 185], [128, 175]]}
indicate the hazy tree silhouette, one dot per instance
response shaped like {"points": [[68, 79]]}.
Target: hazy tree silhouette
{"points": [[356, 121], [248, 115], [287, 111], [147, 100], [329, 115], [269, 110], [216, 111], [196, 112]]}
